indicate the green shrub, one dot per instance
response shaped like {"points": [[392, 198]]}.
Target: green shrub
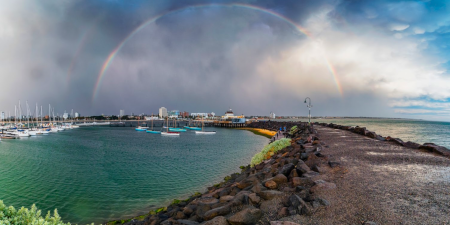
{"points": [[269, 150], [9, 215], [293, 130]]}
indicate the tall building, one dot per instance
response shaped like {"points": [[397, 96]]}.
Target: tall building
{"points": [[184, 114], [163, 112], [65, 116], [122, 113], [272, 115], [3, 116], [77, 115], [174, 113]]}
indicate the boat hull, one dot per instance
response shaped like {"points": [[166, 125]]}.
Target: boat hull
{"points": [[193, 128], [170, 133], [177, 129], [153, 131], [140, 129], [205, 132]]}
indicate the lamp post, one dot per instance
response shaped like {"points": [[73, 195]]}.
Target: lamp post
{"points": [[309, 107]]}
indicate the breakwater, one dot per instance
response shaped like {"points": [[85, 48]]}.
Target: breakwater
{"points": [[282, 185], [330, 174]]}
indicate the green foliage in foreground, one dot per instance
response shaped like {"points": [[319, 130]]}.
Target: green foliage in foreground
{"points": [[9, 215], [293, 130], [269, 150]]}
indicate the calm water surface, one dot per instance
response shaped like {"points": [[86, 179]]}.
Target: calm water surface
{"points": [[97, 174]]}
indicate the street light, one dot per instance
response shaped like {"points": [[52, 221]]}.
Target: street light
{"points": [[309, 107]]}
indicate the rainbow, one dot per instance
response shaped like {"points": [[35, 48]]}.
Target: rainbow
{"points": [[113, 54]]}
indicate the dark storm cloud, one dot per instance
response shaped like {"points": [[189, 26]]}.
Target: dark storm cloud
{"points": [[209, 59]]}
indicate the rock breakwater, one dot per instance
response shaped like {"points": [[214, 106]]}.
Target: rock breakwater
{"points": [[286, 184]]}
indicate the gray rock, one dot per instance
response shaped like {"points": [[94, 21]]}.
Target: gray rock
{"points": [[254, 199], [187, 222], [246, 217], [268, 195], [221, 211], [286, 170], [220, 220], [271, 206], [280, 179], [323, 202], [257, 188], [302, 207], [226, 198], [310, 174]]}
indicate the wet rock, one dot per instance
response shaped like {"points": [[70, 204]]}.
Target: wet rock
{"points": [[397, 141], [380, 138], [246, 216], [283, 212], [206, 200], [189, 209], [268, 195], [280, 178], [221, 211], [202, 209], [219, 220], [271, 184], [226, 198], [360, 130], [254, 199], [286, 170], [225, 191]]}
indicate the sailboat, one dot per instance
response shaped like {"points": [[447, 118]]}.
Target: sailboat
{"points": [[170, 133], [204, 132], [192, 128], [140, 128], [175, 129], [153, 131]]}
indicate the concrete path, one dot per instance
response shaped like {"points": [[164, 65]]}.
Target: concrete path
{"points": [[381, 182]]}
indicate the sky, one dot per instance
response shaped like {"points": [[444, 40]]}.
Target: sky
{"points": [[352, 58]]}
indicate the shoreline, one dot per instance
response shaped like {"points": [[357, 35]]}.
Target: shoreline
{"points": [[319, 168]]}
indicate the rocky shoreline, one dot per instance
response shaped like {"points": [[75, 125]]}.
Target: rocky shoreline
{"points": [[291, 185]]}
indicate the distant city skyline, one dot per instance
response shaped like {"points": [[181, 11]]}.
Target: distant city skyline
{"points": [[352, 58]]}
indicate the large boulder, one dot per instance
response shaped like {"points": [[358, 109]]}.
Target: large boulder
{"points": [[271, 184], [302, 207], [221, 211], [254, 199], [226, 198], [246, 217], [219, 220], [286, 169], [268, 195], [431, 147], [271, 206], [280, 178], [251, 180], [410, 144]]}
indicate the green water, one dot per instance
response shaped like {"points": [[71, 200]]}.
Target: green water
{"points": [[98, 174]]}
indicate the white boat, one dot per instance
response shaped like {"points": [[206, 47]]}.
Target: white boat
{"points": [[23, 133], [32, 132], [170, 133], [54, 130], [204, 132]]}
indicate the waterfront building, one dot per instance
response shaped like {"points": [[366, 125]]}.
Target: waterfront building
{"points": [[122, 113], [3, 116], [174, 113], [230, 115], [184, 114], [272, 115], [163, 112], [77, 115], [205, 115], [65, 116]]}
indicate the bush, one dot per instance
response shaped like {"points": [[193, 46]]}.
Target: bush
{"points": [[9, 215], [270, 150], [293, 130]]}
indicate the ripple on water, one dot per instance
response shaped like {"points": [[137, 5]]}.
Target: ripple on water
{"points": [[98, 174]]}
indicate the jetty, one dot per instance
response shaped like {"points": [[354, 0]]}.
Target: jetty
{"points": [[329, 174]]}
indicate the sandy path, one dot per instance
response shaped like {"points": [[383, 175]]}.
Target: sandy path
{"points": [[381, 182]]}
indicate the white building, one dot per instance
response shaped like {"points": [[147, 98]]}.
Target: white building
{"points": [[162, 112], [77, 115], [122, 113], [3, 116], [65, 116], [272, 115], [205, 115]]}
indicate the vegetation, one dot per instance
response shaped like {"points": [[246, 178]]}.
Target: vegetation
{"points": [[9, 215], [293, 130], [269, 150]]}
